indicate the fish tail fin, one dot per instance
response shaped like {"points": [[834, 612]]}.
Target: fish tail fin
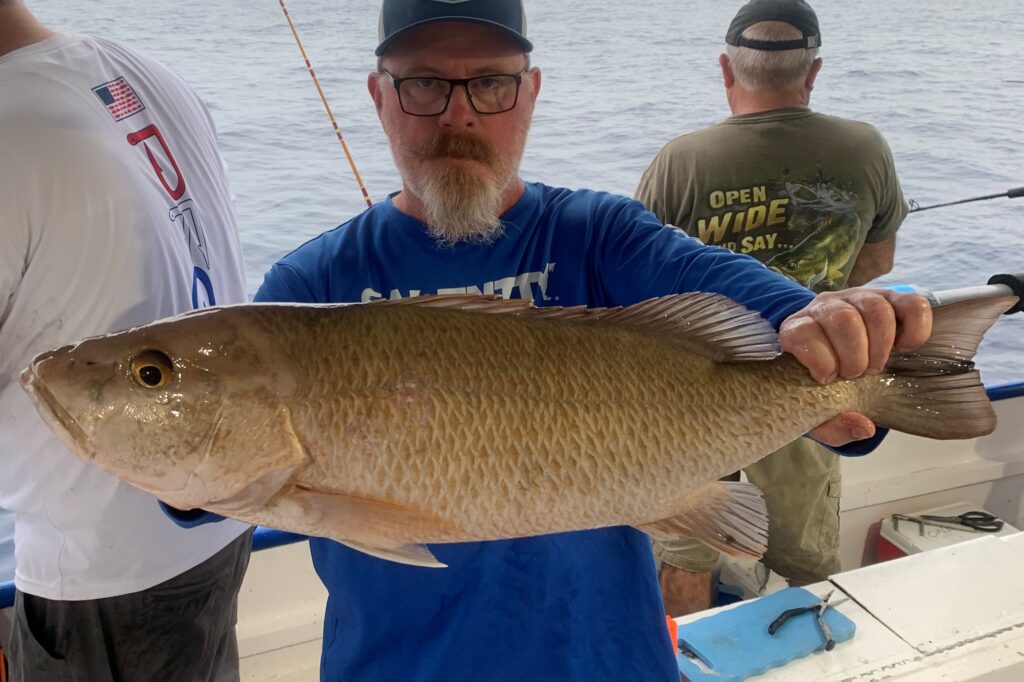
{"points": [[944, 407], [731, 517], [937, 392]]}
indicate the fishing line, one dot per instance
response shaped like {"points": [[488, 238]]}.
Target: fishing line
{"points": [[330, 114], [1010, 194]]}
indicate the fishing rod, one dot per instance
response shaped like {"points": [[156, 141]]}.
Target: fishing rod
{"points": [[330, 114], [1010, 194], [1009, 284]]}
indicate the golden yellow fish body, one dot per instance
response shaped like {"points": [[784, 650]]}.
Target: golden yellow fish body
{"points": [[390, 425], [510, 427]]}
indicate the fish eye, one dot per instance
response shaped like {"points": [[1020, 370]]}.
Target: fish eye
{"points": [[152, 369]]}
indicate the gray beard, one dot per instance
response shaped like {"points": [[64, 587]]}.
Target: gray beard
{"points": [[460, 206]]}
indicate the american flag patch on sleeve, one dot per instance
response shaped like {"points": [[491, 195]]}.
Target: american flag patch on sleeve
{"points": [[119, 98]]}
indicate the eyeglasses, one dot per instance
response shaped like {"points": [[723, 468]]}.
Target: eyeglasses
{"points": [[494, 93]]}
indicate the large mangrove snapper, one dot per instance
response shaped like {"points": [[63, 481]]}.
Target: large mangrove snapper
{"points": [[391, 425]]}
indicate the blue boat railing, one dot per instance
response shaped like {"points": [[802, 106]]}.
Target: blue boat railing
{"points": [[1013, 389], [265, 538]]}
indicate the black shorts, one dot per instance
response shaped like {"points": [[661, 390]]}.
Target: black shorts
{"points": [[182, 629]]}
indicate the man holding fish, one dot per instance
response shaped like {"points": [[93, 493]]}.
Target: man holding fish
{"points": [[455, 92], [403, 433]]}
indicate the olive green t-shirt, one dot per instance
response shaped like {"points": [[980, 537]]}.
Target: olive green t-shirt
{"points": [[798, 190]]}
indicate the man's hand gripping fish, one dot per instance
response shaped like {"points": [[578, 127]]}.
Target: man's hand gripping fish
{"points": [[392, 425]]}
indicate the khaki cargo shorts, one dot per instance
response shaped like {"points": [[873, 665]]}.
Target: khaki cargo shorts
{"points": [[801, 485]]}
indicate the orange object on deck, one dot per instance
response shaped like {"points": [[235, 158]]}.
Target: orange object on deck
{"points": [[673, 632]]}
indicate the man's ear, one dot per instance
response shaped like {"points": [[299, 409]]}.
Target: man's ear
{"points": [[376, 92], [812, 74], [534, 75], [728, 77]]}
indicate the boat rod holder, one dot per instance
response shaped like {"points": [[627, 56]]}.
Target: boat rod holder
{"points": [[998, 285], [1015, 284]]}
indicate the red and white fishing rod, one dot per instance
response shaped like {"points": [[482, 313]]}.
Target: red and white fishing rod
{"points": [[330, 114]]}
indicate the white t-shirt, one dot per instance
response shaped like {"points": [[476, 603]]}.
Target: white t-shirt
{"points": [[6, 546], [115, 210]]}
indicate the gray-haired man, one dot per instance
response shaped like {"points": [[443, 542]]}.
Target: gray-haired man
{"points": [[815, 198]]}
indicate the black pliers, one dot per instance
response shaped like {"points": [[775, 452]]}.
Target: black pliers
{"points": [[819, 612]]}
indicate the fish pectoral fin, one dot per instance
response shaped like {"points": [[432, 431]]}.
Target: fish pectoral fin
{"points": [[376, 527], [730, 517], [835, 271], [247, 461], [252, 496]]}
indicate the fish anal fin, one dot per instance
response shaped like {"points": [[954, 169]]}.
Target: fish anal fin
{"points": [[412, 555], [730, 517], [375, 527]]}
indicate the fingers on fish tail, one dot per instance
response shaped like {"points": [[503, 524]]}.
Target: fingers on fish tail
{"points": [[730, 517], [937, 392], [957, 330]]}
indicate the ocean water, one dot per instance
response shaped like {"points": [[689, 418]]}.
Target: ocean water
{"points": [[620, 78], [940, 78]]}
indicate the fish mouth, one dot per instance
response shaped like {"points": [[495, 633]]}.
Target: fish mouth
{"points": [[55, 415]]}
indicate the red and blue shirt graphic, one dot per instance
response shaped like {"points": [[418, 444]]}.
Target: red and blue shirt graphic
{"points": [[119, 98]]}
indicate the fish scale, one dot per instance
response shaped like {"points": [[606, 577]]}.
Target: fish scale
{"points": [[565, 409]]}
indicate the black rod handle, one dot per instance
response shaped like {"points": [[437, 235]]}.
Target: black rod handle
{"points": [[1015, 281]]}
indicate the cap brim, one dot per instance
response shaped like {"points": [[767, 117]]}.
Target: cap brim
{"points": [[519, 40]]}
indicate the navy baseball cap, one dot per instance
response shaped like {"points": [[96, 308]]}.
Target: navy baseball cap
{"points": [[796, 13], [398, 17]]}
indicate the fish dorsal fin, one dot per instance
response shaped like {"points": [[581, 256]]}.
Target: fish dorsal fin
{"points": [[709, 324], [705, 323]]}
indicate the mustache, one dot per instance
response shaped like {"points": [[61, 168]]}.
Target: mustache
{"points": [[458, 146]]}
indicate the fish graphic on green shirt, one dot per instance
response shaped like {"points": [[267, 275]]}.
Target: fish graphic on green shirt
{"points": [[829, 219]]}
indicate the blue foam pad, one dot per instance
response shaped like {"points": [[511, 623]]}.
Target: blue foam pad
{"points": [[735, 644]]}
